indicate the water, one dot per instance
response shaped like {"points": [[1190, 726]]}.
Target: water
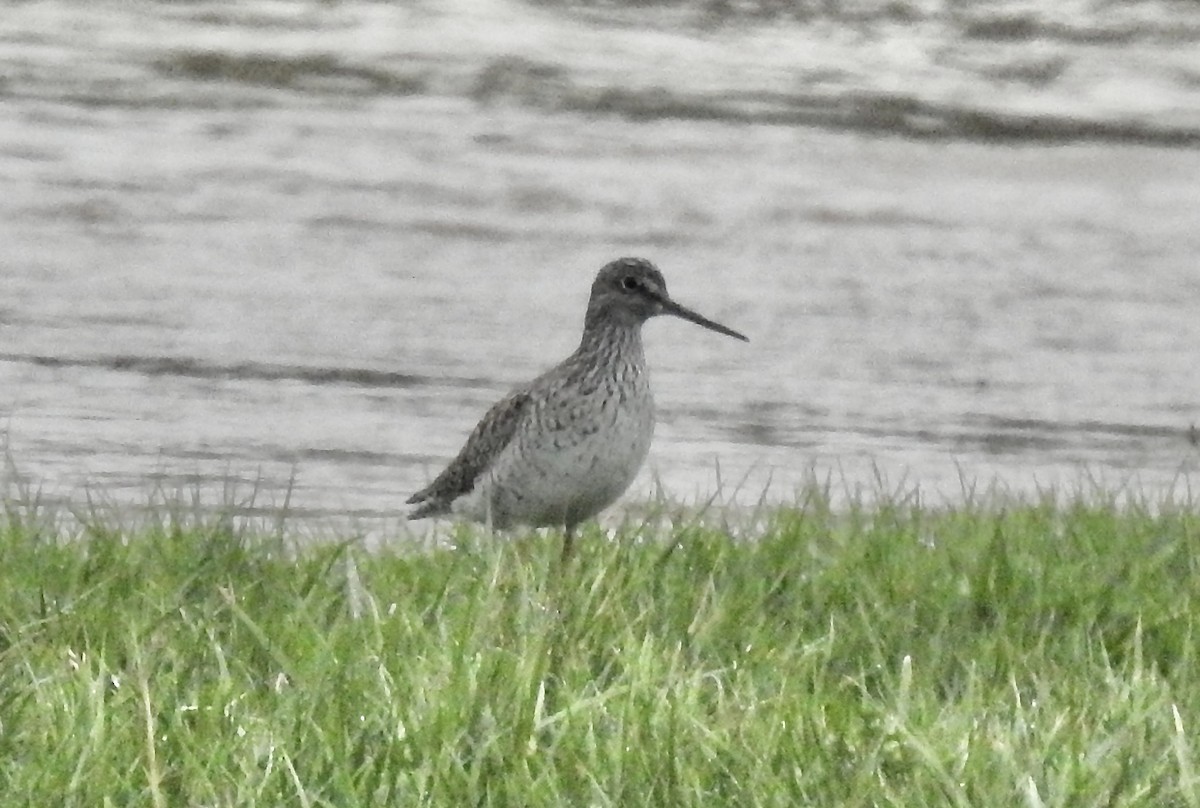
{"points": [[296, 250]]}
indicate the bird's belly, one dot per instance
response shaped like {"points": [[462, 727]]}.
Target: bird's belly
{"points": [[569, 468]]}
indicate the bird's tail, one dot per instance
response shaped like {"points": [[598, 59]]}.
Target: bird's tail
{"points": [[427, 507]]}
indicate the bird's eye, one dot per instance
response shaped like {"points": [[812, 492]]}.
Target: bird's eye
{"points": [[629, 283]]}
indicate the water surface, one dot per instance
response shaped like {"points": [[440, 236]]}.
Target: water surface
{"points": [[298, 249]]}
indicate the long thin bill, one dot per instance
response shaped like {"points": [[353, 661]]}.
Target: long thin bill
{"points": [[671, 307]]}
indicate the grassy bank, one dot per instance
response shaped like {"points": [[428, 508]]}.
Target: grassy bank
{"points": [[1030, 655]]}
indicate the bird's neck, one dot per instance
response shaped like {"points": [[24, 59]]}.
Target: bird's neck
{"points": [[613, 342]]}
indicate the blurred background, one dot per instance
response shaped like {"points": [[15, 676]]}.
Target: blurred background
{"points": [[272, 253]]}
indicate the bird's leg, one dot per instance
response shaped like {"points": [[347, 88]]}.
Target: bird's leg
{"points": [[557, 638], [568, 545]]}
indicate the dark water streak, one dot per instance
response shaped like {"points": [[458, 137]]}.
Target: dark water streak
{"points": [[197, 369]]}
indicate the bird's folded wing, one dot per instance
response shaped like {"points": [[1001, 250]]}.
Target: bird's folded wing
{"points": [[494, 432]]}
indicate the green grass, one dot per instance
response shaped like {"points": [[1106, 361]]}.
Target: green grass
{"points": [[1037, 654]]}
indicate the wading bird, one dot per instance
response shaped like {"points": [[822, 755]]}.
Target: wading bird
{"points": [[563, 447]]}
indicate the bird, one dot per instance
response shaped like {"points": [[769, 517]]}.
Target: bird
{"points": [[559, 449]]}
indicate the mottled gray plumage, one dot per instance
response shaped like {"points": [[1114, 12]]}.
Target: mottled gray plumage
{"points": [[486, 440], [558, 450]]}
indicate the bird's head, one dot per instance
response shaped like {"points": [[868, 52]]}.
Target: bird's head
{"points": [[630, 291]]}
